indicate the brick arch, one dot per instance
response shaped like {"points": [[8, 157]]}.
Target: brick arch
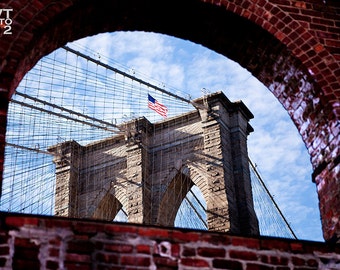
{"points": [[290, 46]]}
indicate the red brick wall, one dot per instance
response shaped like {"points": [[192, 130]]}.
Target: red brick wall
{"points": [[291, 46], [33, 242]]}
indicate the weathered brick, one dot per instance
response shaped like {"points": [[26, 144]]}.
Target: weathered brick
{"points": [[119, 247], [75, 266], [145, 249], [3, 261], [246, 242], [4, 237], [25, 264], [227, 264], [194, 262], [175, 250], [74, 257], [4, 250], [107, 257], [52, 265], [312, 263], [211, 252], [274, 244], [188, 251], [298, 261], [80, 246], [216, 239], [253, 266], [297, 247], [165, 263], [274, 260], [21, 221], [243, 255], [24, 248], [135, 260], [53, 252]]}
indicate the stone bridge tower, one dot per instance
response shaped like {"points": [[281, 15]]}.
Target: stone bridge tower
{"points": [[149, 170]]}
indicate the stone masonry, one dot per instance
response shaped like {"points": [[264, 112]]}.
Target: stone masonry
{"points": [[149, 170]]}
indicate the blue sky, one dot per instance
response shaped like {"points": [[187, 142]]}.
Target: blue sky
{"points": [[275, 146]]}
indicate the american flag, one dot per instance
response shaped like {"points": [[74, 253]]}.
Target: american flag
{"points": [[153, 104]]}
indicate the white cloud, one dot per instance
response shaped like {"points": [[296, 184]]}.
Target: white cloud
{"points": [[275, 145]]}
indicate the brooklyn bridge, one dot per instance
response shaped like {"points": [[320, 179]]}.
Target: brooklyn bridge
{"points": [[83, 142]]}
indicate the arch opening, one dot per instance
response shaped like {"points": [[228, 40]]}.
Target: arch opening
{"points": [[282, 86], [200, 67], [172, 199], [192, 211], [108, 208]]}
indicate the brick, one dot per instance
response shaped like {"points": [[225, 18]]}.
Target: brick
{"points": [[113, 229], [4, 250], [312, 263], [156, 233], [3, 238], [76, 266], [185, 236], [80, 246], [135, 260], [298, 261], [165, 263], [20, 221], [175, 250], [107, 257], [243, 255], [246, 242], [120, 248], [88, 228], [3, 261], [300, 4], [24, 248], [145, 249], [297, 247], [275, 260], [227, 264], [253, 266], [216, 239], [211, 252], [73, 257], [193, 262], [25, 264], [188, 252], [53, 252], [274, 244], [52, 265], [58, 223]]}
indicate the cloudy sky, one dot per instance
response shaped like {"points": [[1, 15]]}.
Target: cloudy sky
{"points": [[275, 146]]}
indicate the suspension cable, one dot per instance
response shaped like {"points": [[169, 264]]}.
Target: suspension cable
{"points": [[271, 198], [64, 116], [196, 105], [68, 111]]}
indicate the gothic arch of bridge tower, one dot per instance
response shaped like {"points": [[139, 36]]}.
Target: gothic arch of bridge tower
{"points": [[149, 170], [290, 46]]}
